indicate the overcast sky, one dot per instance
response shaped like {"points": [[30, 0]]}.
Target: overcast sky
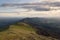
{"points": [[17, 1], [22, 1], [44, 14]]}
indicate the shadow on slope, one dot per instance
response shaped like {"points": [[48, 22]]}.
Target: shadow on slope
{"points": [[45, 26], [4, 28]]}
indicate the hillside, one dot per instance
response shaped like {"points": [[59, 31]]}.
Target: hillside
{"points": [[45, 26], [24, 31]]}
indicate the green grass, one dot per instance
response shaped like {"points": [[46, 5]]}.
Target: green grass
{"points": [[23, 26]]}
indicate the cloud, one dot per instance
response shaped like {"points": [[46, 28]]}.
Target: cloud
{"points": [[39, 7], [51, 0]]}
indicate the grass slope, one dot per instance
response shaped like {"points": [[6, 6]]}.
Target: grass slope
{"points": [[22, 31]]}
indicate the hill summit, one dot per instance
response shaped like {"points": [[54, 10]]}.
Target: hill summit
{"points": [[23, 31]]}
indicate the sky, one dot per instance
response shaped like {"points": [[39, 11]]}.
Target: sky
{"points": [[17, 1], [35, 13], [23, 1], [13, 1]]}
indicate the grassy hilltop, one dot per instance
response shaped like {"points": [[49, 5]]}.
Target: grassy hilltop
{"points": [[23, 31]]}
